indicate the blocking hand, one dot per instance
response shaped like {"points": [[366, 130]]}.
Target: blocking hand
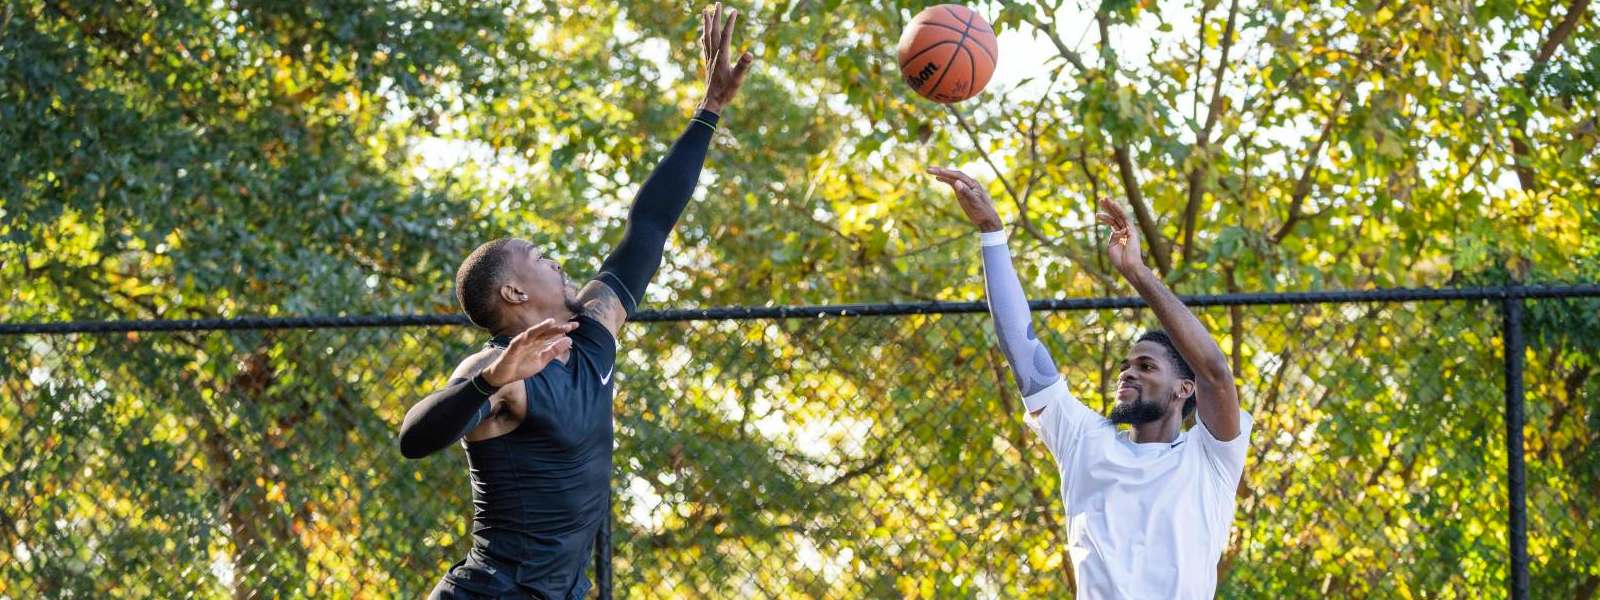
{"points": [[529, 352], [722, 80]]}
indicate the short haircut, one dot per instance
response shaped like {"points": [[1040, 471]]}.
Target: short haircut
{"points": [[479, 278], [1160, 337]]}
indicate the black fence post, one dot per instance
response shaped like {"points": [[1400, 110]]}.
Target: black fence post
{"points": [[1516, 486], [602, 554]]}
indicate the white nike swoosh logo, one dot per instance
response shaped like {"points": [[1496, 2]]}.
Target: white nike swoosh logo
{"points": [[605, 379]]}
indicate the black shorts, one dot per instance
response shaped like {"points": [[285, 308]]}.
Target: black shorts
{"points": [[472, 579], [476, 578]]}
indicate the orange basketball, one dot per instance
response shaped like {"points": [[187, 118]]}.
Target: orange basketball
{"points": [[948, 53]]}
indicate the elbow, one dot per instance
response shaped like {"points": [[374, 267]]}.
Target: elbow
{"points": [[412, 448], [1215, 371], [413, 453]]}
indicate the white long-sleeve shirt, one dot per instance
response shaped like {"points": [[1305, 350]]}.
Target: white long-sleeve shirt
{"points": [[1144, 520]]}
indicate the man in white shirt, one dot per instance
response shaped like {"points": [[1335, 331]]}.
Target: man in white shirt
{"points": [[1149, 508]]}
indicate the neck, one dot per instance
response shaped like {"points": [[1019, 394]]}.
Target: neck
{"points": [[517, 323], [1163, 431]]}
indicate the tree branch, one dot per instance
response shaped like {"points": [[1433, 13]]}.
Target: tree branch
{"points": [[1235, 326], [1559, 35], [1027, 225], [1521, 149], [1055, 39], [1200, 57], [1572, 384], [1033, 155], [1016, 435], [1587, 589], [1302, 187], [1094, 191], [1197, 175], [1160, 250]]}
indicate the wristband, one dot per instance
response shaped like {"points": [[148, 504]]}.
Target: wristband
{"points": [[992, 238], [479, 383], [707, 118]]}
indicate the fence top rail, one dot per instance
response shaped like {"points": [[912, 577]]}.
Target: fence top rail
{"points": [[832, 310]]}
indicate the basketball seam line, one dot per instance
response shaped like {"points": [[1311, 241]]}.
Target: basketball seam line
{"points": [[975, 42], [972, 64], [952, 11], [959, 45], [930, 48], [989, 29]]}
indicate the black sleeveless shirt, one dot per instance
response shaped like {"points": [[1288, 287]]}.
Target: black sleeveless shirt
{"points": [[540, 492]]}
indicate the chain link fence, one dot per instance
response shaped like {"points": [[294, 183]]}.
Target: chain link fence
{"points": [[873, 451]]}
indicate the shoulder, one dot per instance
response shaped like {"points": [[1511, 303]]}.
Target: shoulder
{"points": [[1057, 403], [601, 303], [593, 341], [1239, 438], [478, 361]]}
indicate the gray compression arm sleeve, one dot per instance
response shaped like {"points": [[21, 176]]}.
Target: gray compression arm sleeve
{"points": [[1031, 364]]}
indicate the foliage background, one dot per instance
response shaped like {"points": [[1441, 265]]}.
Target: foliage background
{"points": [[183, 159]]}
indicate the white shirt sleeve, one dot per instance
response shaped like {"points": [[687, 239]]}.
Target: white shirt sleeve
{"points": [[1031, 364], [1061, 421], [1226, 459]]}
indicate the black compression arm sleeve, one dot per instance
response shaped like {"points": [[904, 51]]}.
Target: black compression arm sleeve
{"points": [[656, 209], [445, 416]]}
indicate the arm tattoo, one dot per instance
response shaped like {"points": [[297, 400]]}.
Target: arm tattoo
{"points": [[601, 303]]}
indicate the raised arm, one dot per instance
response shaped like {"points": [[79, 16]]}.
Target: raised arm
{"points": [[666, 192], [1031, 364], [1217, 399], [445, 416]]}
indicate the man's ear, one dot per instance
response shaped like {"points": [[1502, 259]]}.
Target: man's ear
{"points": [[1185, 390], [512, 294]]}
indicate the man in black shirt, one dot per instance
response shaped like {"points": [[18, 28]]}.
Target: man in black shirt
{"points": [[534, 406]]}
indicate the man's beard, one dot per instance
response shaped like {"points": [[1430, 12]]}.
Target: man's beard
{"points": [[1137, 412]]}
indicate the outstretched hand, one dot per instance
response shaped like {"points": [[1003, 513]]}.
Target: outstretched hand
{"points": [[974, 199], [1123, 247], [722, 80], [529, 352]]}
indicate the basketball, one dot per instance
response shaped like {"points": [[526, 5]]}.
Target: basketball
{"points": [[948, 53]]}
